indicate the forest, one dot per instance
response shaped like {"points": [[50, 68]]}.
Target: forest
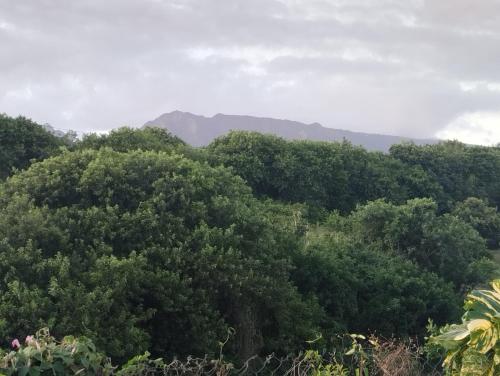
{"points": [[135, 242]]}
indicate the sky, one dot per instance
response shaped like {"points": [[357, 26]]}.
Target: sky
{"points": [[405, 67]]}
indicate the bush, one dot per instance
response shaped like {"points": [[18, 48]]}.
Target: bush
{"points": [[366, 290], [21, 141], [41, 354], [144, 251], [442, 244], [473, 347], [330, 175], [127, 139]]}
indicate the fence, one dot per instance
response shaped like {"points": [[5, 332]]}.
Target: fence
{"points": [[381, 358]]}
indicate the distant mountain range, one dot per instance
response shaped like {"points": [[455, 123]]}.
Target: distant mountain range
{"points": [[56, 132], [199, 130]]}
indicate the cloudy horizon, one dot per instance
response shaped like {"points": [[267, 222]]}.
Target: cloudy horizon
{"points": [[414, 68]]}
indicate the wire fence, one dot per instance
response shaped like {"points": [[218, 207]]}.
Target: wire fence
{"points": [[387, 358], [273, 365]]}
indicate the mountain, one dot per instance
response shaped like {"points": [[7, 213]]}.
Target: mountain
{"points": [[200, 130], [56, 132]]}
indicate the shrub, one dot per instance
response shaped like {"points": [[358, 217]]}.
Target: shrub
{"points": [[144, 251], [43, 355], [22, 141], [473, 347]]}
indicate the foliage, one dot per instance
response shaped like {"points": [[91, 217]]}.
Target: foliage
{"points": [[360, 356], [147, 246], [43, 355], [473, 347], [366, 290], [353, 355], [320, 367], [21, 141], [461, 170], [362, 285], [144, 250], [329, 175], [443, 244], [485, 219], [126, 139], [340, 176]]}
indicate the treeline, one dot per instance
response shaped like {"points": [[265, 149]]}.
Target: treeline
{"points": [[141, 242], [341, 176], [23, 141]]}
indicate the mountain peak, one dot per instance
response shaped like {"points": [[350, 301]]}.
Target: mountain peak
{"points": [[199, 130], [178, 114]]}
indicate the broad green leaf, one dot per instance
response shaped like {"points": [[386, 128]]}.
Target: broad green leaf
{"points": [[496, 285], [483, 335]]}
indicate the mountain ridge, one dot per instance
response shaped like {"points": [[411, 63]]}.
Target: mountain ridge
{"points": [[199, 130]]}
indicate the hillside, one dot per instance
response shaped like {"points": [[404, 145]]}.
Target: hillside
{"points": [[199, 130]]}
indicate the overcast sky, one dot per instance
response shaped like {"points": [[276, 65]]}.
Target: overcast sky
{"points": [[406, 67]]}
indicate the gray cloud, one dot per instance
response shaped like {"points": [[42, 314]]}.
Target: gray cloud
{"points": [[415, 67]]}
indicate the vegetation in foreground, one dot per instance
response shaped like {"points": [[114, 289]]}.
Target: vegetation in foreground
{"points": [[473, 347], [43, 355], [139, 242], [470, 348]]}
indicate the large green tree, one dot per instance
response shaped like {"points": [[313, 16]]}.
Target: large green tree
{"points": [[144, 250], [126, 139], [324, 174], [462, 170], [485, 219], [22, 141], [360, 287], [443, 244], [364, 289]]}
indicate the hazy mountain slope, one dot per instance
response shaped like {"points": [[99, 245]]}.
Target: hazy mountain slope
{"points": [[200, 130]]}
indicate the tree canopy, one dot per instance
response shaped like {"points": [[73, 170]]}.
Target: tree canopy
{"points": [[21, 141], [126, 139], [143, 250], [328, 175], [142, 243]]}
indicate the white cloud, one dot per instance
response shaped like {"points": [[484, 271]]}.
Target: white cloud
{"points": [[474, 128], [282, 85], [6, 26], [471, 86], [67, 115], [22, 94]]}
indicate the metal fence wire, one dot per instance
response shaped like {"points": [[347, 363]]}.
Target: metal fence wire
{"points": [[387, 358]]}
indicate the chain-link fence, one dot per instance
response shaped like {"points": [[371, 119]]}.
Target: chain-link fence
{"points": [[384, 358]]}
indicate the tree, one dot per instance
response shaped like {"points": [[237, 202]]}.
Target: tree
{"points": [[253, 156], [327, 175], [126, 139], [443, 244], [363, 289], [22, 141], [462, 171], [485, 219], [144, 250]]}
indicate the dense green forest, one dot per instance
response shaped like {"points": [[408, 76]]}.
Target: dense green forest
{"points": [[141, 242]]}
